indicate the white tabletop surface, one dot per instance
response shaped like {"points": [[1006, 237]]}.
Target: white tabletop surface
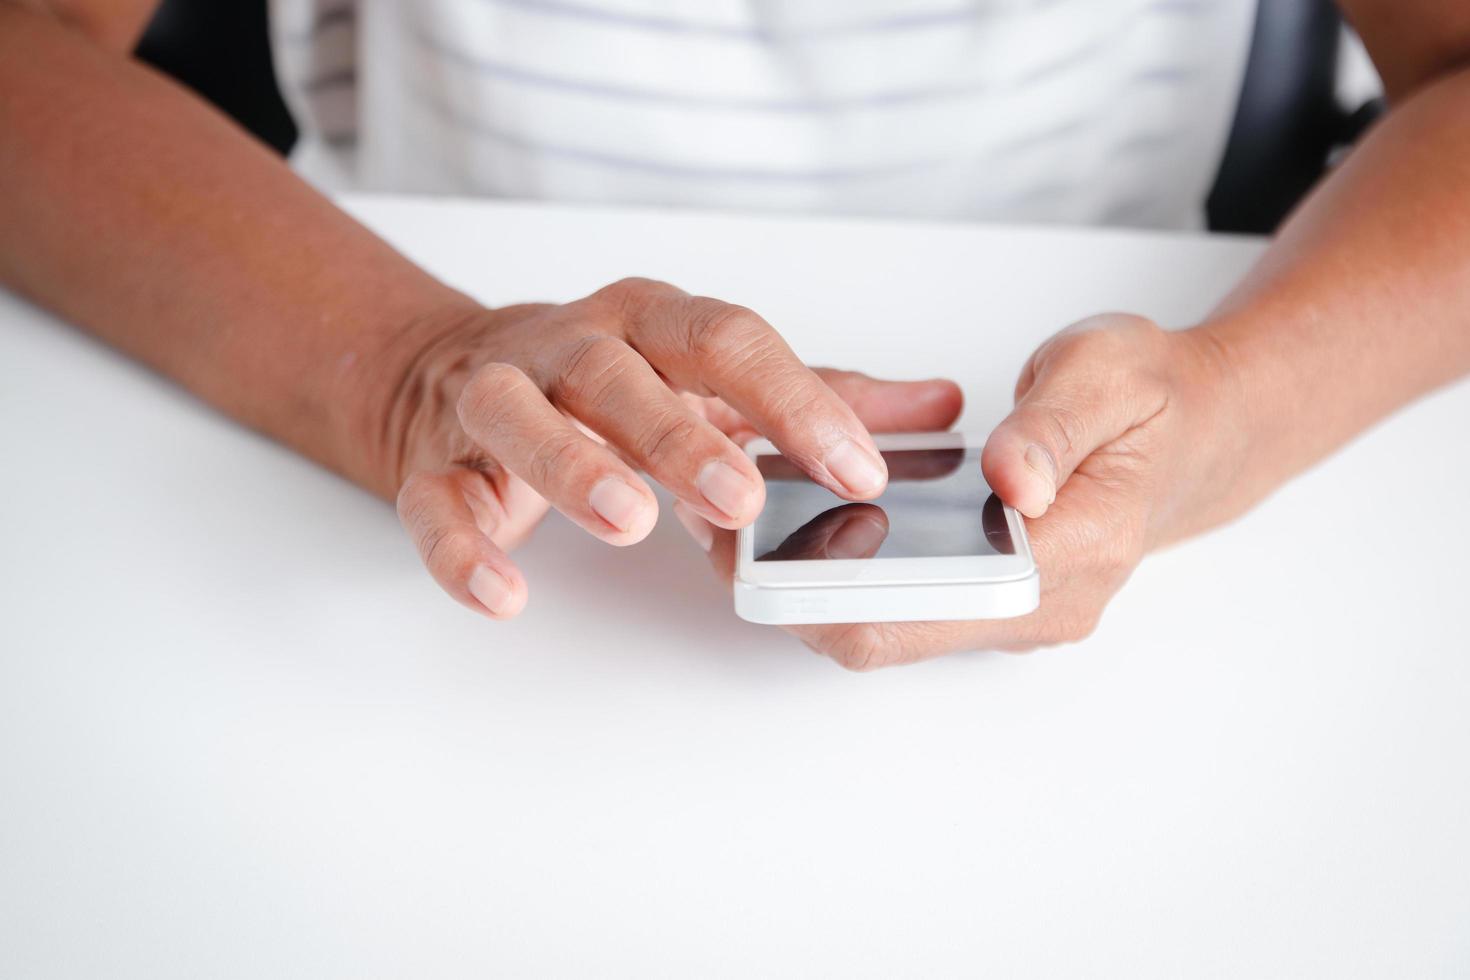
{"points": [[243, 735]]}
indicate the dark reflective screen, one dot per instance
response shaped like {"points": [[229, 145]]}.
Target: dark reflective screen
{"points": [[937, 505]]}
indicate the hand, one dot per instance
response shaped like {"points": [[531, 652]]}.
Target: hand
{"points": [[1118, 442], [504, 411]]}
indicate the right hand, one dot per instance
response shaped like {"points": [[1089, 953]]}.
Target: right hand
{"points": [[507, 410]]}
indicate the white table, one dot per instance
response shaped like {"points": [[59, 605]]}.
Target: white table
{"points": [[243, 735]]}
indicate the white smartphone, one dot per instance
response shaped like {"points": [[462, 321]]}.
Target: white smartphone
{"points": [[937, 544]]}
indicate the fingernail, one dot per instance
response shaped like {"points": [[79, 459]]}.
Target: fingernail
{"points": [[856, 468], [616, 502], [491, 590], [1039, 458], [726, 490], [699, 529], [859, 537]]}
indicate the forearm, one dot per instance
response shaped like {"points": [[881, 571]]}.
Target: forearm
{"points": [[141, 214], [1362, 302]]}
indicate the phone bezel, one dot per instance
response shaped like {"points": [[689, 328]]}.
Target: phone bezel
{"points": [[888, 571]]}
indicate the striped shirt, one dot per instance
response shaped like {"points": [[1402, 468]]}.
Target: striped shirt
{"points": [[1075, 111]]}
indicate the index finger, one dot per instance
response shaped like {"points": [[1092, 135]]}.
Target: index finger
{"points": [[711, 347]]}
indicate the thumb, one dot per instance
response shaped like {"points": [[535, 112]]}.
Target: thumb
{"points": [[1073, 407]]}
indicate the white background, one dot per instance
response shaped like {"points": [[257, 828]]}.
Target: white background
{"points": [[243, 735]]}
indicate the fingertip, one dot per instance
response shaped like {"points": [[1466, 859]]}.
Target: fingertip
{"points": [[903, 406], [733, 495], [1031, 510], [626, 513], [635, 533], [500, 595], [859, 472], [945, 395], [1015, 480], [942, 404]]}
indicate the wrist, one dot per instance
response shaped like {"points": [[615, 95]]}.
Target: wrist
{"points": [[1216, 440]]}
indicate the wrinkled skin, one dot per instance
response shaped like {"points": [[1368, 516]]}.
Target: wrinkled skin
{"points": [[509, 411]]}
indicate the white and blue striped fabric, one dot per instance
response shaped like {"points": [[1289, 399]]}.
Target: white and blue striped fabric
{"points": [[1075, 111]]}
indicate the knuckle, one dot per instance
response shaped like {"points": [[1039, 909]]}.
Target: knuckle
{"points": [[632, 292], [449, 551], [1110, 327], [631, 285], [1109, 344], [1114, 545], [727, 334], [1078, 627], [483, 400], [1024, 381], [591, 368], [413, 500], [1071, 623], [1066, 429], [1154, 381], [858, 648], [557, 459], [790, 410], [1117, 559], [667, 438], [1138, 327], [1088, 350], [793, 398], [602, 311]]}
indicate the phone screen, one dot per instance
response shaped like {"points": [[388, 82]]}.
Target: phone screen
{"points": [[937, 504]]}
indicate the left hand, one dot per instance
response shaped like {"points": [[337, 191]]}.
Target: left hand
{"points": [[1119, 442]]}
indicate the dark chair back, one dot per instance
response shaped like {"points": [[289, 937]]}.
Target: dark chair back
{"points": [[221, 49], [1288, 120]]}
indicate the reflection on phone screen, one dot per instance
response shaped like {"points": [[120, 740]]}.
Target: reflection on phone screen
{"points": [[937, 504]]}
